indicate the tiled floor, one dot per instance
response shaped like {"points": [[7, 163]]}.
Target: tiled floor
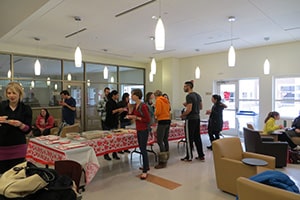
{"points": [[118, 179]]}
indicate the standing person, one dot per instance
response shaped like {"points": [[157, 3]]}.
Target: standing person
{"points": [[193, 105], [162, 114], [124, 121], [149, 101], [270, 126], [142, 118], [68, 104], [102, 108], [215, 122], [112, 114], [15, 121], [43, 123]]}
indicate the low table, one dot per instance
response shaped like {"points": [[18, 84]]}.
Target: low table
{"points": [[254, 162]]}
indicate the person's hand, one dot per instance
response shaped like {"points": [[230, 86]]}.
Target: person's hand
{"points": [[3, 119], [130, 117], [208, 112], [281, 126], [15, 123], [184, 104]]}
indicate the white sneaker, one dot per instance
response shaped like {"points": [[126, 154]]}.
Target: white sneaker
{"points": [[297, 148]]}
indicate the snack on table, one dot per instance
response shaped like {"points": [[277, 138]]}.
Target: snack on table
{"points": [[72, 135], [93, 134]]}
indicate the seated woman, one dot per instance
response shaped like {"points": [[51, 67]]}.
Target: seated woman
{"points": [[44, 122], [271, 126]]}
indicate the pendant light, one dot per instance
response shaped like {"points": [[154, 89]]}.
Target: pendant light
{"points": [[266, 63], [105, 73], [48, 81], [112, 79], [153, 66], [32, 84], [88, 83], [197, 72], [69, 77], [159, 32], [78, 54], [37, 64], [9, 74], [150, 77], [55, 86], [231, 52]]}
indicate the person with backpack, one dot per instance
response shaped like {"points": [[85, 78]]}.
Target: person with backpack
{"points": [[162, 114], [141, 116]]}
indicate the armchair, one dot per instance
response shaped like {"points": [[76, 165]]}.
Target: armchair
{"points": [[249, 190], [228, 155], [254, 143], [270, 138]]}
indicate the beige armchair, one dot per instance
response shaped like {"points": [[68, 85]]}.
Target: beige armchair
{"points": [[249, 190], [228, 155], [66, 129]]}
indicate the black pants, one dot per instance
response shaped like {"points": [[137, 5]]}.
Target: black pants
{"points": [[192, 135], [286, 138]]}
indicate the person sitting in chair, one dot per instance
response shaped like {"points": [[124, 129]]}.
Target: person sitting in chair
{"points": [[44, 122]]}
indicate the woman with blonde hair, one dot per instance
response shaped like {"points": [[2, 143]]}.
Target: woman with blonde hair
{"points": [[15, 121]]}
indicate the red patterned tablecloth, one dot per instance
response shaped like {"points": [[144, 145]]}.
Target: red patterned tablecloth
{"points": [[38, 151], [117, 142], [177, 129]]}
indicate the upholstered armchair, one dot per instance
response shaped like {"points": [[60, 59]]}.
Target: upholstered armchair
{"points": [[254, 143], [66, 129], [270, 138], [249, 190], [228, 155]]}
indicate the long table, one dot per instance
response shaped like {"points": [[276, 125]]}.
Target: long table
{"points": [[41, 152]]}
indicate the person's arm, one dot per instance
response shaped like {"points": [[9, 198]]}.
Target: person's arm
{"points": [[50, 122], [72, 105], [188, 109], [37, 122]]}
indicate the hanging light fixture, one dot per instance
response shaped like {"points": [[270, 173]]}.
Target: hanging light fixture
{"points": [[159, 32], [37, 64], [150, 77], [153, 66], [88, 83], [105, 73], [55, 86], [266, 63], [78, 55], [69, 77], [231, 52], [112, 79], [197, 72], [9, 74], [48, 81], [32, 84]]}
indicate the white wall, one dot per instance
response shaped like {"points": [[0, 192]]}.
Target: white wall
{"points": [[284, 60]]}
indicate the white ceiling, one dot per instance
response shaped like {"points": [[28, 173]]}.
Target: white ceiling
{"points": [[193, 27]]}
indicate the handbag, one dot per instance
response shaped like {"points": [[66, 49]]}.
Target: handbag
{"points": [[24, 179]]}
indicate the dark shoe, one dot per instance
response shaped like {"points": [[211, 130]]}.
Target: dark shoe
{"points": [[126, 151], [200, 158], [186, 159], [209, 147], [141, 168], [120, 152], [115, 156], [160, 165], [106, 157]]}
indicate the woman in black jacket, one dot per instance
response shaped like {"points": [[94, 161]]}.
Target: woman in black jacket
{"points": [[215, 122]]}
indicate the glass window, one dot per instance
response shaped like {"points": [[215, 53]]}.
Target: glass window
{"points": [[5, 66], [287, 96], [71, 72], [95, 73], [249, 95], [131, 75]]}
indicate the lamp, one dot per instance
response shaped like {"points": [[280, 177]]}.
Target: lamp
{"points": [[197, 72], [88, 83], [32, 84], [112, 79], [48, 81], [9, 74], [153, 66], [78, 55], [69, 77], [159, 32], [105, 73], [37, 64], [55, 86], [231, 52], [266, 63], [150, 77]]}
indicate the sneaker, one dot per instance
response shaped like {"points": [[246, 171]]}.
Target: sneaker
{"points": [[186, 159], [200, 158], [297, 148]]}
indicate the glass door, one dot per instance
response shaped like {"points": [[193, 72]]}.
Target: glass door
{"points": [[229, 93], [77, 92]]}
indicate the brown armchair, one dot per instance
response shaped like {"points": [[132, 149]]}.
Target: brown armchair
{"points": [[66, 129], [228, 155], [263, 137], [254, 143], [249, 190]]}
